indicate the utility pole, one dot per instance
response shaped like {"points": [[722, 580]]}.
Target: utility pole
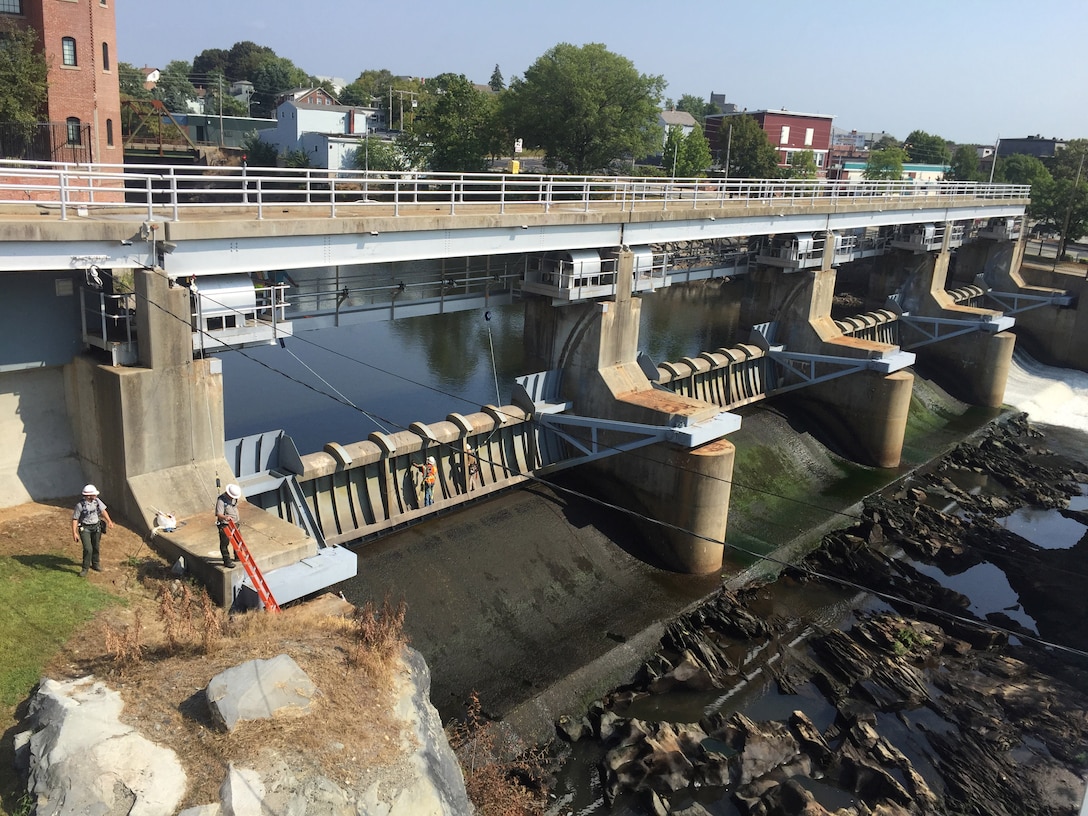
{"points": [[220, 110], [728, 146], [1063, 238]]}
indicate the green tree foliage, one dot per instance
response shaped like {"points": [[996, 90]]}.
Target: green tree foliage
{"points": [[1021, 169], [496, 83], [1062, 202], [23, 76], [885, 141], [885, 164], [217, 98], [297, 159], [241, 61], [685, 155], [750, 152], [370, 87], [258, 153], [965, 165], [174, 89], [131, 82], [379, 155], [586, 108], [926, 148], [699, 108], [451, 129], [274, 76], [803, 165]]}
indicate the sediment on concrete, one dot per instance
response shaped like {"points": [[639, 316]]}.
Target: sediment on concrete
{"points": [[538, 601]]}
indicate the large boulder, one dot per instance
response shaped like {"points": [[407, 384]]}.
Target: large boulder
{"points": [[260, 689], [83, 761]]}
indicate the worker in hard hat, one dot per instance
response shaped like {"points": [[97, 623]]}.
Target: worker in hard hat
{"points": [[89, 521], [226, 510], [430, 476]]}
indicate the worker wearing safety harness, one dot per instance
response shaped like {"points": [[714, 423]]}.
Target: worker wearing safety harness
{"points": [[430, 476], [226, 510], [89, 521]]}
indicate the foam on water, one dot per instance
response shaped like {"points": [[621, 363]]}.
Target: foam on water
{"points": [[1049, 395]]}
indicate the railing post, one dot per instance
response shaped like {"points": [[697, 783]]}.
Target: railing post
{"points": [[62, 184], [332, 197], [175, 208], [502, 195], [396, 196], [260, 200]]}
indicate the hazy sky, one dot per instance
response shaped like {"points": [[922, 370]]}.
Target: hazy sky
{"points": [[968, 70]]}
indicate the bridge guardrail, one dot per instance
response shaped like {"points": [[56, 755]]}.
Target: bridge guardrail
{"points": [[171, 191]]}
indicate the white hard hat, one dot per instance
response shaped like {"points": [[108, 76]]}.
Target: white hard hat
{"points": [[90, 490], [430, 460], [234, 491]]}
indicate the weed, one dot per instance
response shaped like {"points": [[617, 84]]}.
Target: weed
{"points": [[498, 781], [123, 645], [379, 638]]}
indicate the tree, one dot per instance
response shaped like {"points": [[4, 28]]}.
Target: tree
{"points": [[750, 152], [379, 155], [174, 89], [803, 165], [965, 165], [1021, 169], [926, 148], [24, 73], [685, 155], [274, 76], [452, 128], [131, 82], [885, 141], [586, 107], [697, 107], [1063, 207], [496, 83], [369, 86], [258, 153], [885, 164]]}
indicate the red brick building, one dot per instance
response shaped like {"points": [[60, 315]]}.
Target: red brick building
{"points": [[789, 132], [79, 40]]}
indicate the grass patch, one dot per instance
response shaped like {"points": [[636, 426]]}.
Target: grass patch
{"points": [[45, 600]]}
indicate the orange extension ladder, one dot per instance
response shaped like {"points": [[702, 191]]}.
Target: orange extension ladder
{"points": [[254, 573]]}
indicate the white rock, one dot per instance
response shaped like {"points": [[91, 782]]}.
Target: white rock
{"points": [[242, 792], [260, 689], [83, 760]]}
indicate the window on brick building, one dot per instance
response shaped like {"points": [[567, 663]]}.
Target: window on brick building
{"points": [[785, 137], [109, 132], [75, 131], [68, 50], [105, 56], [11, 6]]}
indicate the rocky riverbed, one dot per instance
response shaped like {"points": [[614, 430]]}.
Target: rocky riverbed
{"points": [[918, 705]]}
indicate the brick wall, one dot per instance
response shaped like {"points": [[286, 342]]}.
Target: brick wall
{"points": [[88, 90]]}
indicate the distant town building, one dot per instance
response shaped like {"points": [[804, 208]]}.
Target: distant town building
{"points": [[788, 131], [854, 171], [718, 101], [674, 118], [1035, 146], [329, 134], [83, 108]]}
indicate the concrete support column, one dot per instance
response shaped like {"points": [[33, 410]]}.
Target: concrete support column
{"points": [[152, 435], [596, 345], [865, 414], [973, 367]]}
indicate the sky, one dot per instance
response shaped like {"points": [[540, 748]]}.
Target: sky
{"points": [[970, 71]]}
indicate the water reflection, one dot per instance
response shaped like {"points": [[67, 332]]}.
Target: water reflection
{"points": [[423, 368]]}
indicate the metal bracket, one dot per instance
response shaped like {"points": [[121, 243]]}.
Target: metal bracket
{"points": [[1017, 302], [935, 329]]}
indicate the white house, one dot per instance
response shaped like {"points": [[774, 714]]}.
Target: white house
{"points": [[329, 134], [674, 118], [854, 171]]}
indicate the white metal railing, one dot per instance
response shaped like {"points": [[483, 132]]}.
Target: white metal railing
{"points": [[169, 192]]}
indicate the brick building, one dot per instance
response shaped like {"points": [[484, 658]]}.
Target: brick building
{"points": [[789, 132], [79, 40]]}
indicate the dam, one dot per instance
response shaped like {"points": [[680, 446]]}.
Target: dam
{"points": [[189, 266]]}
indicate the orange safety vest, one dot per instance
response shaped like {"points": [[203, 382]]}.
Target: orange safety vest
{"points": [[430, 473]]}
